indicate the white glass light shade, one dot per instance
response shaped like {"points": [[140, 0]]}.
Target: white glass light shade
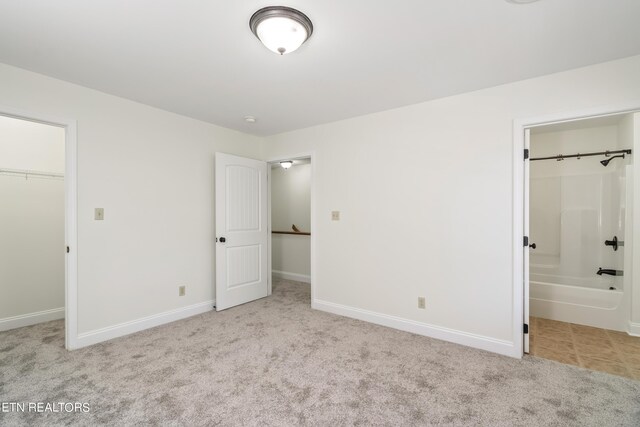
{"points": [[281, 29], [286, 165], [281, 35]]}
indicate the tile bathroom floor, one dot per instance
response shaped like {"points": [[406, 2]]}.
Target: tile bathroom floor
{"points": [[598, 349]]}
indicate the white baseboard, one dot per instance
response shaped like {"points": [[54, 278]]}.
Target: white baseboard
{"points": [[634, 329], [31, 319], [122, 329], [459, 337], [291, 276]]}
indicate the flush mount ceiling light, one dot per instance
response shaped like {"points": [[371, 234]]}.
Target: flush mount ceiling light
{"points": [[281, 29], [286, 164]]}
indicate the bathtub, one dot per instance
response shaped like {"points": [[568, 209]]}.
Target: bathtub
{"points": [[592, 304]]}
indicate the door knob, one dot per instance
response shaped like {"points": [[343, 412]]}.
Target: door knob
{"points": [[532, 246], [222, 240]]}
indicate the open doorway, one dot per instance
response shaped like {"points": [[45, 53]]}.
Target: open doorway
{"points": [[579, 223], [290, 220], [70, 246], [32, 225]]}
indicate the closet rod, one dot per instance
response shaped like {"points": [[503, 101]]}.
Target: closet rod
{"points": [[33, 173], [567, 156]]}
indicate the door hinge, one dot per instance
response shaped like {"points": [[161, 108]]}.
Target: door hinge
{"points": [[526, 153], [67, 249], [525, 328], [526, 241]]}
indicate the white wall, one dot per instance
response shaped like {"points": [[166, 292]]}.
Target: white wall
{"points": [[291, 197], [31, 224], [291, 257], [291, 204], [426, 200], [152, 172], [31, 146], [425, 194]]}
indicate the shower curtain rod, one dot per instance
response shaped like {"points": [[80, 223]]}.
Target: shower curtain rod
{"points": [[579, 155], [32, 173]]}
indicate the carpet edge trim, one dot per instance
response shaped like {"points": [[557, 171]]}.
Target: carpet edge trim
{"points": [[296, 277], [29, 319], [481, 342], [110, 332]]}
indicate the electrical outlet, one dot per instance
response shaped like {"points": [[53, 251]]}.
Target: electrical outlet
{"points": [[335, 215], [99, 214], [421, 302], [182, 290]]}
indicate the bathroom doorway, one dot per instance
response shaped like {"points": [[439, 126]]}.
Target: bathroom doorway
{"points": [[579, 222]]}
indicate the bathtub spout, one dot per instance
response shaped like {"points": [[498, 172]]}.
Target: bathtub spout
{"points": [[608, 271]]}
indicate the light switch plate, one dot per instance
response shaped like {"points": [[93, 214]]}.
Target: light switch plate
{"points": [[99, 214], [335, 215]]}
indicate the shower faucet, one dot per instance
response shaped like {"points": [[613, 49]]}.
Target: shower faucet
{"points": [[609, 271], [615, 243]]}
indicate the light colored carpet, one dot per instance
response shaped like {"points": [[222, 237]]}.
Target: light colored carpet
{"points": [[277, 362]]}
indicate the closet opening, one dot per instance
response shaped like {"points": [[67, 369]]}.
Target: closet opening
{"points": [[38, 227], [32, 212], [290, 201]]}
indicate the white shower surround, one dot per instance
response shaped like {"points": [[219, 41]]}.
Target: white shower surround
{"points": [[574, 208]]}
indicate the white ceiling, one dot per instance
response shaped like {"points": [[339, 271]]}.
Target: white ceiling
{"points": [[199, 58]]}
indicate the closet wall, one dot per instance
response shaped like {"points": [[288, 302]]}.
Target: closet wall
{"points": [[31, 224]]}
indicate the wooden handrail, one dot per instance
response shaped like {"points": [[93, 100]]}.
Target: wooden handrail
{"points": [[301, 233]]}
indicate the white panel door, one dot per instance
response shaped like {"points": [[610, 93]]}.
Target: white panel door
{"points": [[241, 230], [527, 162]]}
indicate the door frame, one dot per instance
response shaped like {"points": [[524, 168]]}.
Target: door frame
{"points": [[519, 126], [312, 158], [70, 214]]}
